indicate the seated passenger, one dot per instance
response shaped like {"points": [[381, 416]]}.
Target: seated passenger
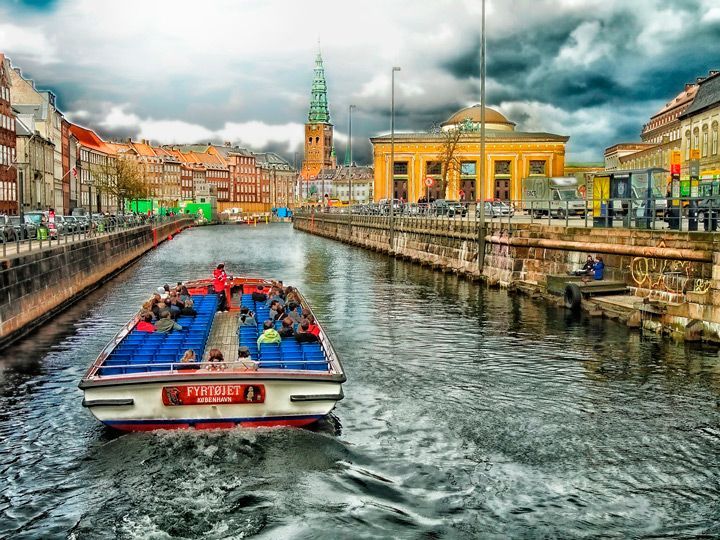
{"points": [[162, 293], [166, 325], [275, 296], [303, 334], [269, 335], [247, 317], [314, 329], [291, 295], [184, 294], [287, 328], [175, 306], [188, 307], [244, 360], [258, 295], [216, 359], [145, 325], [189, 358], [294, 313], [275, 309]]}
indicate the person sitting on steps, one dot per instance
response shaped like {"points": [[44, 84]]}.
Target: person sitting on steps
{"points": [[587, 268]]}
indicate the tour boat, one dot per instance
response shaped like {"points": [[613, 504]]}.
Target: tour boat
{"points": [[138, 383]]}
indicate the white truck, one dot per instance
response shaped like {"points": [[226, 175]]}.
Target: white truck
{"points": [[558, 196]]}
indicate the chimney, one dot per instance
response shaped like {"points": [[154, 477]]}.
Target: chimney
{"points": [[700, 79], [228, 144], [713, 72], [129, 140], [688, 86], [145, 141]]}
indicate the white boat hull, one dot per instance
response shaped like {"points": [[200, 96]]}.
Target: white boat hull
{"points": [[208, 404]]}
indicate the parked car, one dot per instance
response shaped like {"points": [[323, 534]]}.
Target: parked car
{"points": [[63, 225], [7, 231], [73, 224], [444, 207], [25, 231], [384, 206], [496, 209]]}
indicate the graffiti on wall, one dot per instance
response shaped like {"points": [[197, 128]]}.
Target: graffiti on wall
{"points": [[677, 277]]}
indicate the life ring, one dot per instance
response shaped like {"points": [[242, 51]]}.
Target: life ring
{"points": [[573, 296]]}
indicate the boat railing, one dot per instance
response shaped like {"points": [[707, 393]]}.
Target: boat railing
{"points": [[173, 367], [326, 345]]}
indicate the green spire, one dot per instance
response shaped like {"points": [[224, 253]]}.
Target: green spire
{"points": [[319, 113]]}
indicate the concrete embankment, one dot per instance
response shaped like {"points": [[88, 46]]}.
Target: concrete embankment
{"points": [[37, 285], [673, 277]]}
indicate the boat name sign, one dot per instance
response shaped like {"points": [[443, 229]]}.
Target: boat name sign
{"points": [[212, 394]]}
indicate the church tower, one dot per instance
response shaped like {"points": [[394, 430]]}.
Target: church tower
{"points": [[319, 152]]}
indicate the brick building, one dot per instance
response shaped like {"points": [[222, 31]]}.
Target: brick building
{"points": [[8, 169]]}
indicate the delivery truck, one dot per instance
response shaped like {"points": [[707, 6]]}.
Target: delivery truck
{"points": [[558, 196]]}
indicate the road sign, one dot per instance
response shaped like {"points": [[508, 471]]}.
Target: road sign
{"points": [[429, 181], [694, 153], [675, 157]]}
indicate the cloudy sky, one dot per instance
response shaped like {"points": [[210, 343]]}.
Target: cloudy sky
{"points": [[241, 70]]}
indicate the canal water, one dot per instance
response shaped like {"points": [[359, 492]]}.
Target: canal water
{"points": [[470, 413]]}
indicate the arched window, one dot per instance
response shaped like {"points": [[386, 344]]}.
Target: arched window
{"points": [[705, 141], [696, 139], [317, 140], [309, 140], [714, 138], [687, 145]]}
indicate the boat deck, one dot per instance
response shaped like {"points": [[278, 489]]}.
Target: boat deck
{"points": [[143, 352]]}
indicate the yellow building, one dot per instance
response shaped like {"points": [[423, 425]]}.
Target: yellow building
{"points": [[510, 156]]}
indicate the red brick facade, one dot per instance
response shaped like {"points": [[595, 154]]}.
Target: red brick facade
{"points": [[8, 169]]}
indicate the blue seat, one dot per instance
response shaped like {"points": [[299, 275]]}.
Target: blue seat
{"points": [[317, 366], [135, 369]]}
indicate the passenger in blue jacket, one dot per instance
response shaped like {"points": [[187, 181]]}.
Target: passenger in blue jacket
{"points": [[599, 268]]}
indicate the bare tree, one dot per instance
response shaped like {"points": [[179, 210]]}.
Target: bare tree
{"points": [[449, 161]]}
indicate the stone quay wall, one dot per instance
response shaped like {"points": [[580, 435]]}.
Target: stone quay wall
{"points": [[37, 285], [679, 270]]}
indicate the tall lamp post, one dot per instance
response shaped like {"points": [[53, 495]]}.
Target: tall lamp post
{"points": [[481, 214], [350, 165], [391, 179]]}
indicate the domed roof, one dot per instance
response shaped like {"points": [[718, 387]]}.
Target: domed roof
{"points": [[473, 115]]}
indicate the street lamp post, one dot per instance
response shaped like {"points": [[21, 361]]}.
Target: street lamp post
{"points": [[481, 214], [391, 181], [350, 165]]}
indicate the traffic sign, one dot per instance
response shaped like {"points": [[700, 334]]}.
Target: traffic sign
{"points": [[695, 153], [429, 181], [675, 157]]}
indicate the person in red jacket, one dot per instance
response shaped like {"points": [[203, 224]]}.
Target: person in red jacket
{"points": [[313, 328], [145, 325], [220, 278]]}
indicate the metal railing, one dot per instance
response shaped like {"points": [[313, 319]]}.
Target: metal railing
{"points": [[184, 367], [25, 237], [677, 213]]}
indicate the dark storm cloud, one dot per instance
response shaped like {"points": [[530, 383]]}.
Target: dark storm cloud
{"points": [[467, 63]]}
